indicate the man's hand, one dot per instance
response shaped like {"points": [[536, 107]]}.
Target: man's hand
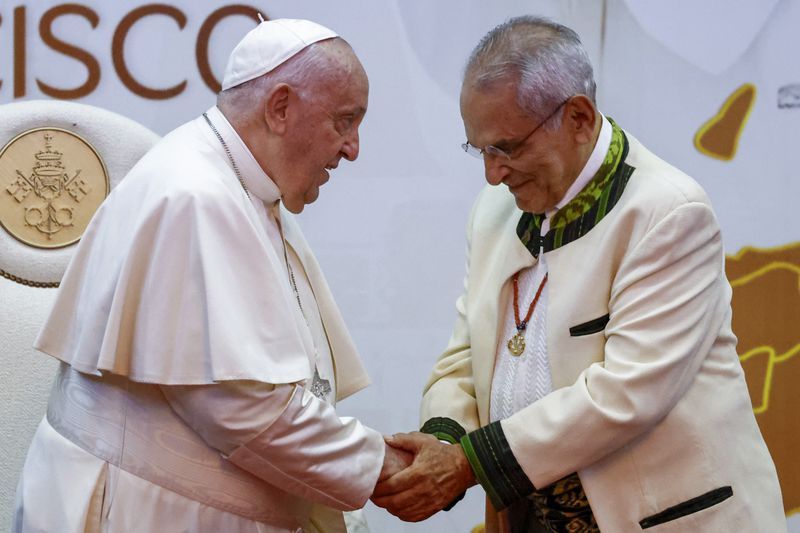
{"points": [[394, 461], [439, 473]]}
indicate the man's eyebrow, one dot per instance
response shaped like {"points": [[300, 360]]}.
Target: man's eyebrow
{"points": [[355, 111], [500, 143]]}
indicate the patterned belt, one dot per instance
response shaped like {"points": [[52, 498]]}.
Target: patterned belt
{"points": [[561, 507]]}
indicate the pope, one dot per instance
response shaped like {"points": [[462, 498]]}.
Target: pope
{"points": [[201, 351]]}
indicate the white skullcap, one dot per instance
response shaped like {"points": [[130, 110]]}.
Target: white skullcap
{"points": [[268, 45]]}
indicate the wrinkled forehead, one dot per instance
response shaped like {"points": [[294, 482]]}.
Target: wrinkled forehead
{"points": [[491, 112], [343, 75], [349, 97], [342, 58], [475, 95]]}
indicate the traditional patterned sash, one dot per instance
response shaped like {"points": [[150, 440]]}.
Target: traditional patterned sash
{"points": [[561, 507], [588, 208]]}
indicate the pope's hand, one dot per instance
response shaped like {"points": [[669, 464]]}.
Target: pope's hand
{"points": [[438, 474], [394, 460]]}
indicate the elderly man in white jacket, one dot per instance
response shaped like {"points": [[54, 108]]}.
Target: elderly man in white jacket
{"points": [[202, 352], [591, 382]]}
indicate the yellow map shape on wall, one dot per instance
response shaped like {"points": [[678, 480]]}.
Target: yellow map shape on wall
{"points": [[719, 137], [766, 315]]}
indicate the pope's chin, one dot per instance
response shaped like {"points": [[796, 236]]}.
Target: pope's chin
{"points": [[310, 197], [296, 206]]}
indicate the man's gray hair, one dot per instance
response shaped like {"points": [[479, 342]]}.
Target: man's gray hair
{"points": [[545, 59], [310, 65]]}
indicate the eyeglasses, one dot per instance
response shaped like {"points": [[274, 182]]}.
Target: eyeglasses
{"points": [[494, 151]]}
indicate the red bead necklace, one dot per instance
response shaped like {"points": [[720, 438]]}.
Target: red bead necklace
{"points": [[516, 344]]}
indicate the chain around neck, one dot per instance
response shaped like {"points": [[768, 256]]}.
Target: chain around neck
{"points": [[247, 192], [228, 153], [319, 387]]}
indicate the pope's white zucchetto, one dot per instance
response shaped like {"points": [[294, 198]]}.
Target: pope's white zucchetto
{"points": [[269, 45]]}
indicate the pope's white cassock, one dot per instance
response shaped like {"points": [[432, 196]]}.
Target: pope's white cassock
{"points": [[184, 399]]}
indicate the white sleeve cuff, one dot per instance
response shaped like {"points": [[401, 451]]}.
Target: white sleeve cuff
{"points": [[313, 453]]}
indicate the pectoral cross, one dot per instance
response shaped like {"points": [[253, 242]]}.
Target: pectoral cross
{"points": [[320, 387]]}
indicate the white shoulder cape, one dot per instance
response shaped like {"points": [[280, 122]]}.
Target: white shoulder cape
{"points": [[176, 282]]}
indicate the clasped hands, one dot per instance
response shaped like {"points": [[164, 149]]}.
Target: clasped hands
{"points": [[421, 475]]}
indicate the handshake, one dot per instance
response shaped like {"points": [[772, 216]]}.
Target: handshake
{"points": [[420, 476]]}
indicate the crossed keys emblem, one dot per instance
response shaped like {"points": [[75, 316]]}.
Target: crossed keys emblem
{"points": [[44, 206], [48, 180]]}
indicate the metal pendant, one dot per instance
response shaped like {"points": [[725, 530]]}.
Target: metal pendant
{"points": [[320, 387], [516, 344]]}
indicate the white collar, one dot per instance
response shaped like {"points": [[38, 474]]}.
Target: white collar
{"points": [[255, 179], [589, 170]]}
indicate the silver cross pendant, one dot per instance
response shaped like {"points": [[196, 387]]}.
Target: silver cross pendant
{"points": [[320, 388]]}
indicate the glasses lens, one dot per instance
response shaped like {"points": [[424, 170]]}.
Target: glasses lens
{"points": [[497, 152], [473, 151]]}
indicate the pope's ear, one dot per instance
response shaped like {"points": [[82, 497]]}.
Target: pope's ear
{"points": [[276, 108]]}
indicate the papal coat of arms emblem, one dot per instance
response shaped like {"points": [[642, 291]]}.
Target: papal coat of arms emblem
{"points": [[51, 183]]}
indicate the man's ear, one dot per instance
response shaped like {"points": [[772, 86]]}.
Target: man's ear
{"points": [[581, 118], [276, 108]]}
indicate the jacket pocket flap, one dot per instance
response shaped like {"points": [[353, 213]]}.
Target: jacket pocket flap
{"points": [[704, 501], [592, 326]]}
